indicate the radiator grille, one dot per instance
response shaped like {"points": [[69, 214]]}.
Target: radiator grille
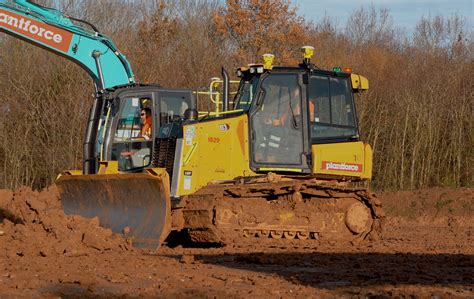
{"points": [[164, 154]]}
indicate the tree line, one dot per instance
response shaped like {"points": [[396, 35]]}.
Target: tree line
{"points": [[417, 114]]}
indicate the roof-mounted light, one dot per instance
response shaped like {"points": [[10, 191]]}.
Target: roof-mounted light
{"points": [[338, 69], [308, 52], [268, 61], [242, 70]]}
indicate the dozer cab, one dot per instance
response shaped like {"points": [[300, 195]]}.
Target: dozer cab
{"points": [[282, 160], [120, 194]]}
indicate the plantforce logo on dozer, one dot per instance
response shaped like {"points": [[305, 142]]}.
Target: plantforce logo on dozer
{"points": [[341, 166], [44, 33]]}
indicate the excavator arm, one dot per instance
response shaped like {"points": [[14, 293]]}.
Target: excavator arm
{"points": [[84, 45], [56, 32]]}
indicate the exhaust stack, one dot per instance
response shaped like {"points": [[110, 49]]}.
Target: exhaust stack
{"points": [[225, 89]]}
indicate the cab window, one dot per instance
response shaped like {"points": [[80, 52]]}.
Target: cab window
{"points": [[245, 94], [173, 106], [331, 108]]}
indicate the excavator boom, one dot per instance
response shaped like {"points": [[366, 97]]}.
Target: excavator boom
{"points": [[56, 32]]}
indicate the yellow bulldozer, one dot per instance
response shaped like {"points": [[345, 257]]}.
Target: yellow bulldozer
{"points": [[283, 159]]}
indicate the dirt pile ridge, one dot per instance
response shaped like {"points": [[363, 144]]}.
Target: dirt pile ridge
{"points": [[426, 252], [429, 203], [33, 224]]}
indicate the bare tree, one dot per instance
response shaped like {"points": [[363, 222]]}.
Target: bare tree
{"points": [[417, 114]]}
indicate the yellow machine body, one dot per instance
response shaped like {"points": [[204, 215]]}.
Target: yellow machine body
{"points": [[347, 159], [213, 150], [199, 167], [218, 150]]}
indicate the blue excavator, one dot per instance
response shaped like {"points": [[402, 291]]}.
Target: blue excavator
{"points": [[284, 160]]}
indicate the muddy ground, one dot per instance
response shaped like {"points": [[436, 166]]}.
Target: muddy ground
{"points": [[427, 251]]}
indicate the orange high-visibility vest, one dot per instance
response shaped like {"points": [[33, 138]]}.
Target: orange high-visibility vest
{"points": [[145, 132]]}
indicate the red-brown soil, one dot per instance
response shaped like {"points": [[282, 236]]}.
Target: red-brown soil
{"points": [[426, 251]]}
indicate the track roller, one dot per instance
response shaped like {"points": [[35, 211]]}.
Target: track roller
{"points": [[276, 234]]}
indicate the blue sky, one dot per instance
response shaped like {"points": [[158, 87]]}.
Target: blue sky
{"points": [[404, 13]]}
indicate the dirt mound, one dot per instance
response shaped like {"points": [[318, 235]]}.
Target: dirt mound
{"points": [[429, 202], [426, 252], [34, 224]]}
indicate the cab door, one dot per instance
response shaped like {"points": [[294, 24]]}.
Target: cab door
{"points": [[133, 130], [276, 125]]}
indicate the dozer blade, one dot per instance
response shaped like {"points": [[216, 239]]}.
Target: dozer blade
{"points": [[137, 205]]}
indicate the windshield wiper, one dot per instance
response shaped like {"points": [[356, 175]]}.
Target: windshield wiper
{"points": [[293, 116]]}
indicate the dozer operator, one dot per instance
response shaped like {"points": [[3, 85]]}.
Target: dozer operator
{"points": [[281, 161]]}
